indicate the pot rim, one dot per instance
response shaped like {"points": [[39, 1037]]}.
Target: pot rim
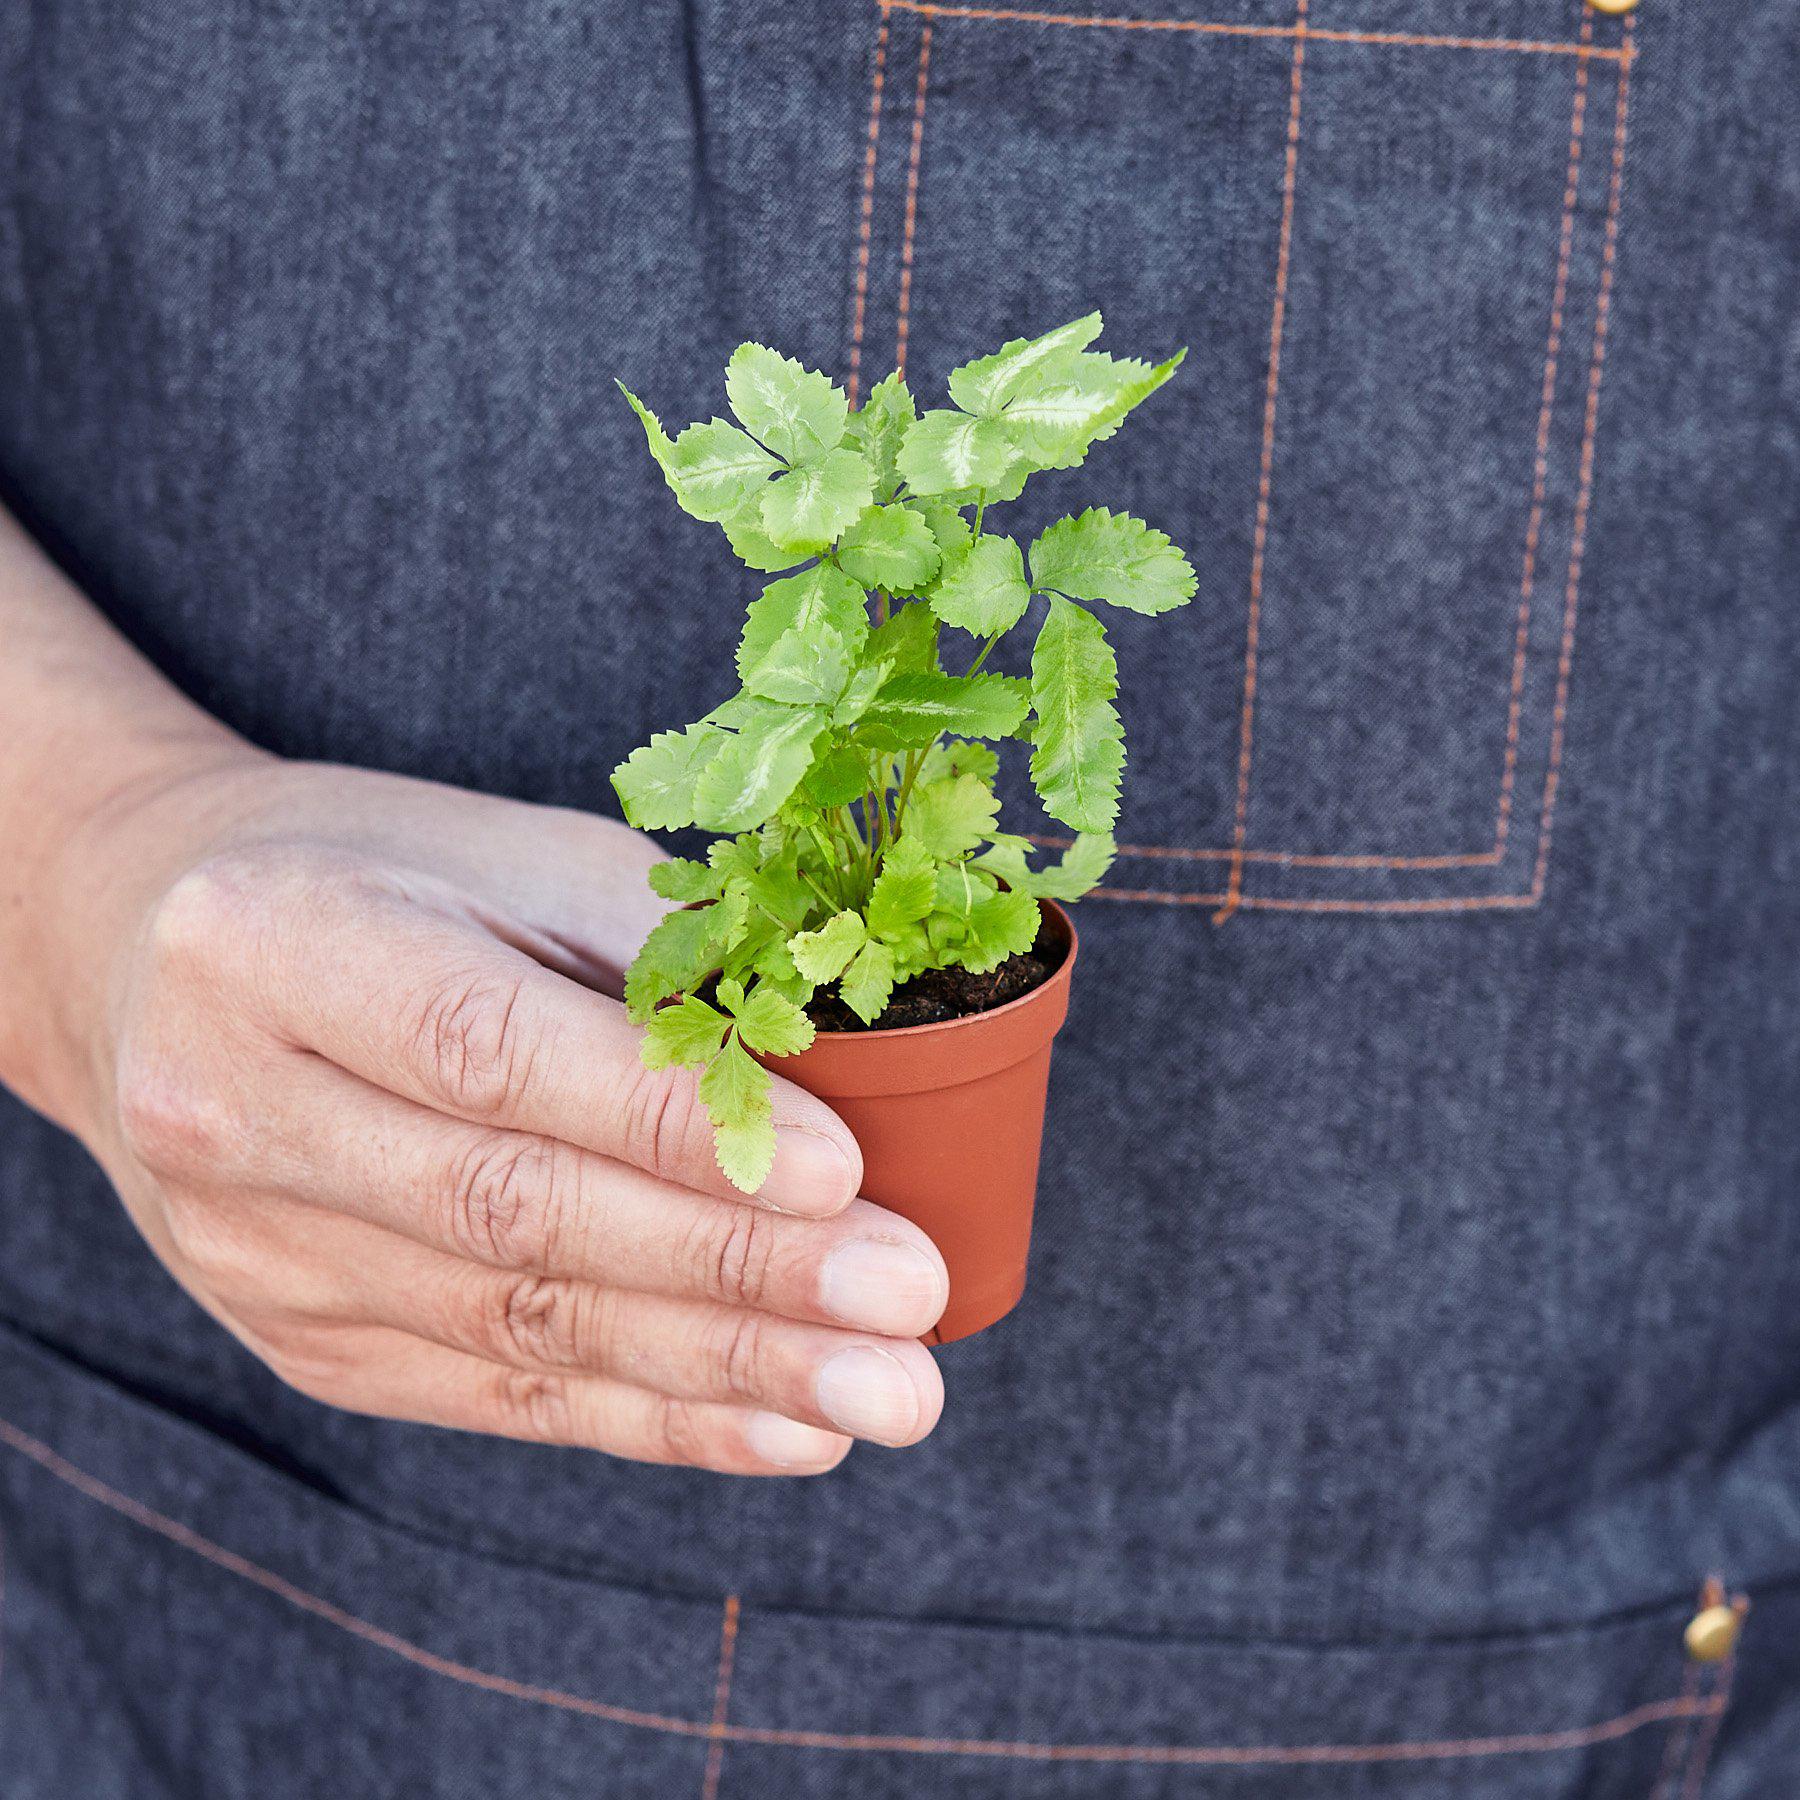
{"points": [[1061, 974]]}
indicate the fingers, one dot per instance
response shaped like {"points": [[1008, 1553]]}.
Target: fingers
{"points": [[398, 1377], [509, 1201], [886, 1390], [295, 1279], [435, 1008]]}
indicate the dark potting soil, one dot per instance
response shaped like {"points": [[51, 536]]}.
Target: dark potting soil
{"points": [[936, 995]]}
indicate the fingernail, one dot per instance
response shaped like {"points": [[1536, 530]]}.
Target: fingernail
{"points": [[866, 1392], [788, 1444], [810, 1174], [881, 1286]]}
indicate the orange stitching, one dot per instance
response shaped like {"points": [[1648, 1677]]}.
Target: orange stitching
{"points": [[1165, 895], [1541, 467], [1708, 1736], [1585, 493], [1277, 903], [1573, 1738], [865, 229], [1449, 859], [1232, 1756], [912, 201], [1680, 1731], [715, 1757], [1423, 41], [1222, 28], [1473, 859], [1265, 477]]}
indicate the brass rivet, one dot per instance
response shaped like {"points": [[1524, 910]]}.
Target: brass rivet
{"points": [[1613, 6], [1711, 1633]]}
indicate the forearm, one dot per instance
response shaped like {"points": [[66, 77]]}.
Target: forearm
{"points": [[88, 722]]}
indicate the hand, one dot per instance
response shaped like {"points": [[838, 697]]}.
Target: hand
{"points": [[341, 1041]]}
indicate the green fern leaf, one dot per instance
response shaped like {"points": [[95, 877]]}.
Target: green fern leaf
{"points": [[1080, 743]]}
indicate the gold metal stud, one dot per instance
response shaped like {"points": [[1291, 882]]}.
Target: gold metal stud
{"points": [[1613, 6], [1712, 1633]]}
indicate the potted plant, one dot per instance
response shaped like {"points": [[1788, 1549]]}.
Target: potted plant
{"points": [[861, 918]]}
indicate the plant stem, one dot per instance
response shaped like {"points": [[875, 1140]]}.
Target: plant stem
{"points": [[829, 850], [974, 668], [848, 852], [914, 763], [825, 899], [845, 822], [862, 856]]}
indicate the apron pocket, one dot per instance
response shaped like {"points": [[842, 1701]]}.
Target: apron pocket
{"points": [[177, 1618]]}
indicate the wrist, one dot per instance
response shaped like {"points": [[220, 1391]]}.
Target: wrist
{"points": [[99, 852]]}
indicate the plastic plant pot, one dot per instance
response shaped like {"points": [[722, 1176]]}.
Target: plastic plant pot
{"points": [[950, 1118]]}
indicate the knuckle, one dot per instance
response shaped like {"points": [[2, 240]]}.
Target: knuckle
{"points": [[613, 1336], [661, 1119], [534, 1404], [469, 1041], [740, 1355], [735, 1252], [205, 905], [537, 1323], [506, 1201], [676, 1434], [169, 1121], [226, 904]]}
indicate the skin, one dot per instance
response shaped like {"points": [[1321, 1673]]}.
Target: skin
{"points": [[348, 1048]]}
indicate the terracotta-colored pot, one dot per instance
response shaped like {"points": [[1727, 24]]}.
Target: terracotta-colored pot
{"points": [[950, 1118]]}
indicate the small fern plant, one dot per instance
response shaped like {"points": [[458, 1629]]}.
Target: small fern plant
{"points": [[850, 777]]}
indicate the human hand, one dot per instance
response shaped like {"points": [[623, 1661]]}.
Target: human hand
{"points": [[341, 1042]]}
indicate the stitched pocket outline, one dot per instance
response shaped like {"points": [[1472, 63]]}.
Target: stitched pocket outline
{"points": [[1242, 838]]}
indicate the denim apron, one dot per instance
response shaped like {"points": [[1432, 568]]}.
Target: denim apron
{"points": [[1414, 1322]]}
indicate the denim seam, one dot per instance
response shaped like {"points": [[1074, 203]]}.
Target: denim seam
{"points": [[1540, 472], [1409, 40], [866, 214], [904, 317], [1708, 1734], [715, 1755], [1265, 479], [1585, 491], [1680, 1740]]}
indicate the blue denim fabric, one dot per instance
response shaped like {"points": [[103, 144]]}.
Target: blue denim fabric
{"points": [[1415, 1306]]}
